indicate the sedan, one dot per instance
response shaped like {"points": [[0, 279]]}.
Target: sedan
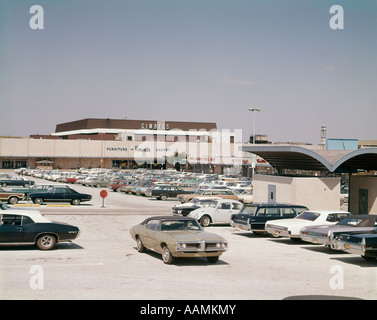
{"points": [[216, 212], [174, 237], [60, 194], [321, 234], [163, 192], [16, 181], [31, 227], [290, 228]]}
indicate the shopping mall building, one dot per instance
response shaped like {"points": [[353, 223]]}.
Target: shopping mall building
{"points": [[128, 144]]}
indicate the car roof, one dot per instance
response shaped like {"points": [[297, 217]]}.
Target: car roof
{"points": [[266, 204], [167, 218], [35, 215]]}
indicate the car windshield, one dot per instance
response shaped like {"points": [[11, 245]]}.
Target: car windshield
{"points": [[307, 215], [174, 225], [249, 210]]}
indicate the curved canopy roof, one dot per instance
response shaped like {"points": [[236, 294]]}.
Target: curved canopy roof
{"points": [[293, 157]]}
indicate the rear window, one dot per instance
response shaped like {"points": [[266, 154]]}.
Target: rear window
{"points": [[307, 215]]}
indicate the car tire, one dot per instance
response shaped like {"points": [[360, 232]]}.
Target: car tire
{"points": [[75, 202], [164, 197], [166, 255], [205, 221], [12, 200], [4, 184], [46, 242], [139, 245], [38, 200], [213, 259]]}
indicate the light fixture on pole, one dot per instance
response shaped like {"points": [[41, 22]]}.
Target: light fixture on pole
{"points": [[253, 110]]}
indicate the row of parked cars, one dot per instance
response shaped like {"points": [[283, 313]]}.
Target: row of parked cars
{"points": [[338, 230], [160, 184]]}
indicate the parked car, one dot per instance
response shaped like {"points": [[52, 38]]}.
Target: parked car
{"points": [[11, 196], [253, 217], [116, 184], [38, 188], [163, 192], [15, 181], [363, 244], [31, 227], [184, 209], [321, 234], [98, 182], [175, 237], [217, 212], [290, 228], [60, 194], [244, 195], [74, 178], [221, 193]]}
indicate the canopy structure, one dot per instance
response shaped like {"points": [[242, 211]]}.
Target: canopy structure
{"points": [[293, 157]]}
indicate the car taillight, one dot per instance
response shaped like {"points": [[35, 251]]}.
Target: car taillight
{"points": [[363, 245]]}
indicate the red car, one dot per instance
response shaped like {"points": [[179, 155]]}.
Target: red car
{"points": [[116, 184]]}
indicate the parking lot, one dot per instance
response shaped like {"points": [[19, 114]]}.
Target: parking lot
{"points": [[103, 262]]}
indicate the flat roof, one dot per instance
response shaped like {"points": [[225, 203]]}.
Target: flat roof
{"points": [[93, 123], [294, 157]]}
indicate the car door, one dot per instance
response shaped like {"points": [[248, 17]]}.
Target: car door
{"points": [[11, 228], [223, 212], [150, 235]]}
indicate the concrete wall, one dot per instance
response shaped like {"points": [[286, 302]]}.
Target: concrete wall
{"points": [[368, 183], [317, 193]]}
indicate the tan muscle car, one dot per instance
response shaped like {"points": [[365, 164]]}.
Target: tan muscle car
{"points": [[175, 237]]}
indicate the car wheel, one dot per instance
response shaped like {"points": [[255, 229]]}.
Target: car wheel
{"points": [[164, 197], [46, 242], [139, 245], [368, 258], [205, 221], [38, 200], [4, 184], [166, 255], [213, 259], [13, 200], [75, 202]]}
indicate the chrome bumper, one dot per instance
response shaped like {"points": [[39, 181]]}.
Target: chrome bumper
{"points": [[278, 231], [240, 226]]}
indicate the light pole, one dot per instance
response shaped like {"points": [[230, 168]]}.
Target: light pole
{"points": [[253, 110]]}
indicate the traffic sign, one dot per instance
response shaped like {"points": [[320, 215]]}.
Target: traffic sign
{"points": [[103, 194]]}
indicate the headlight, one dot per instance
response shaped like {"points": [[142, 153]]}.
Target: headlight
{"points": [[181, 246], [221, 245]]}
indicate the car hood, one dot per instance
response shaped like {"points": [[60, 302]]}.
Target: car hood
{"points": [[191, 235]]}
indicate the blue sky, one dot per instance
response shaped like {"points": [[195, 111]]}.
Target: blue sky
{"points": [[196, 60]]}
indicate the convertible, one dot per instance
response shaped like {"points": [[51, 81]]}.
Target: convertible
{"points": [[363, 244], [175, 237], [31, 227], [321, 234]]}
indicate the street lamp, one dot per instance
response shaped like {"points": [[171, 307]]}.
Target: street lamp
{"points": [[253, 110]]}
